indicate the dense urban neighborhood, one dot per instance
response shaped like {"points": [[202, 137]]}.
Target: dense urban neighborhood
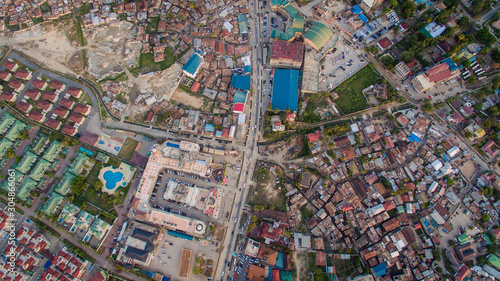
{"points": [[249, 140]]}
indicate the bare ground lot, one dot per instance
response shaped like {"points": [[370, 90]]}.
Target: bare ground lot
{"points": [[182, 97]]}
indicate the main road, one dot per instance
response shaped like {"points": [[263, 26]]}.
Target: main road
{"points": [[250, 148]]}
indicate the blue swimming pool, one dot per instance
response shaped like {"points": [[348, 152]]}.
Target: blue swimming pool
{"points": [[112, 178]]}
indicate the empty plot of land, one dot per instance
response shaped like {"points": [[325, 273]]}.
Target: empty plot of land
{"points": [[182, 97], [351, 99]]}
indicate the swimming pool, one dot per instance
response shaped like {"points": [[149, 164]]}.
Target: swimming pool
{"points": [[112, 178]]}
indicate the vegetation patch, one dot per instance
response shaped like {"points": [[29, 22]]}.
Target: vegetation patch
{"points": [[128, 149], [351, 99]]}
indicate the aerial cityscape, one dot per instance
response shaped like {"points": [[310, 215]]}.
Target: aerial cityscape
{"points": [[259, 140]]}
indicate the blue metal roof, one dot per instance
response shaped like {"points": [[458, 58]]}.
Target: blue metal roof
{"points": [[240, 96], [241, 82], [380, 270], [451, 64], [286, 90], [363, 18], [413, 138], [248, 69], [209, 127], [356, 9], [193, 63]]}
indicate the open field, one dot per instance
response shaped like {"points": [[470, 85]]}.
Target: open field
{"points": [[147, 63], [128, 149], [182, 97], [351, 98]]}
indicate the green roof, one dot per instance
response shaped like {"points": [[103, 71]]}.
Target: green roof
{"points": [[51, 205], [84, 220], [242, 25], [64, 185], [77, 166], [102, 157], [69, 213], [318, 34], [39, 170], [52, 152], [298, 23], [99, 228], [7, 121], [15, 130], [5, 144], [25, 164], [18, 176], [292, 11], [39, 144], [495, 261], [463, 238], [25, 189]]}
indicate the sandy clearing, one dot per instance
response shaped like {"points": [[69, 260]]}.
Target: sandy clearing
{"points": [[184, 98]]}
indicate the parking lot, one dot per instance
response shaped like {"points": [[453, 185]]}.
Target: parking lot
{"points": [[167, 254], [157, 200], [439, 93], [340, 65]]}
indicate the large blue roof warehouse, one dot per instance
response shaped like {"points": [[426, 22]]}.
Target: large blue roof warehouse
{"points": [[241, 82], [286, 89], [192, 65]]}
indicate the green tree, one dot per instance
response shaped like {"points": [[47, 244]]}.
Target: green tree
{"points": [[24, 135], [486, 217], [427, 106], [466, 64], [463, 21], [468, 134], [98, 185], [496, 82], [196, 270], [484, 36], [78, 185], [495, 55], [472, 79]]}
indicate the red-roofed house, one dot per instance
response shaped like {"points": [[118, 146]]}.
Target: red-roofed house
{"points": [[44, 105], [50, 96], [24, 235], [467, 110], [150, 117], [489, 148], [313, 137], [6, 96], [54, 124], [438, 74], [348, 153], [5, 75], [23, 74], [36, 116], [38, 243], [276, 274], [68, 130], [269, 233], [383, 43], [24, 107], [404, 26], [61, 112], [371, 178], [57, 85], [76, 118], [463, 273], [67, 103], [82, 109], [290, 116], [75, 92], [225, 133], [389, 205], [39, 84], [195, 87], [238, 107], [10, 65], [26, 261], [16, 85], [320, 258], [389, 143], [455, 118], [33, 94]]}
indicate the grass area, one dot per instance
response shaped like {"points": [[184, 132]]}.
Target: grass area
{"points": [[128, 148], [7, 202], [45, 8], [44, 226], [37, 20], [259, 196], [306, 214], [115, 162], [79, 32], [346, 268], [351, 98], [85, 8], [92, 176], [311, 261], [321, 277], [147, 63]]}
